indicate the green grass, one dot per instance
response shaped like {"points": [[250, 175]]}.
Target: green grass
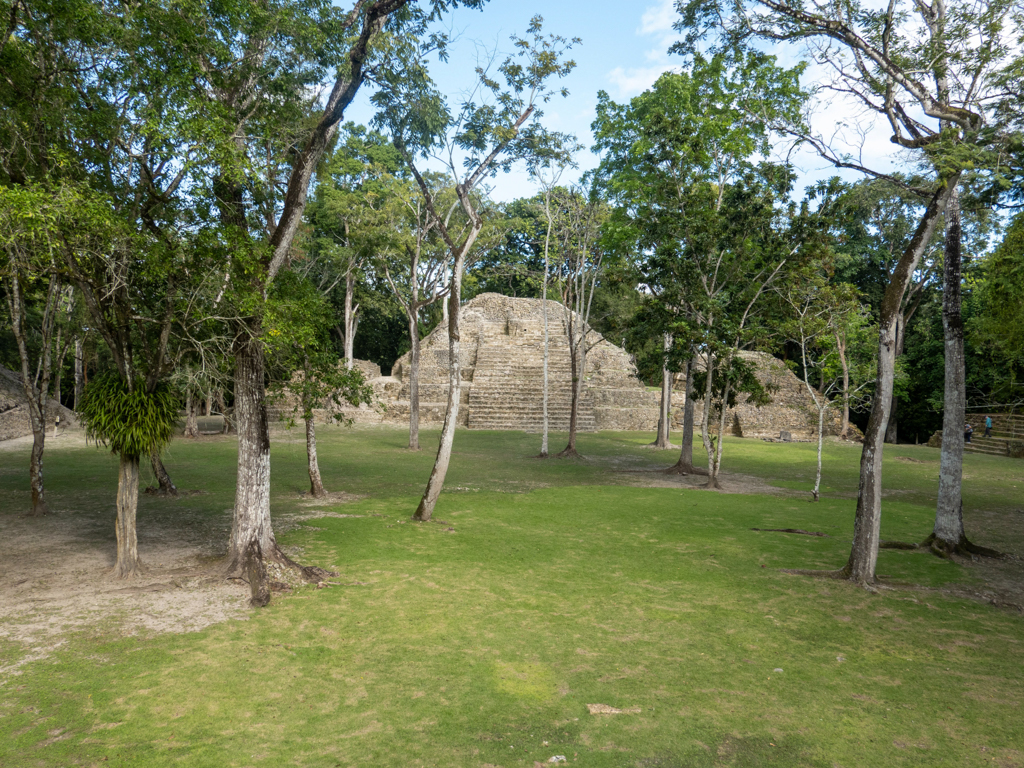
{"points": [[558, 587]]}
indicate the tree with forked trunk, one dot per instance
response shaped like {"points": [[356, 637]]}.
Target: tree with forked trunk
{"points": [[417, 273], [575, 274], [494, 127], [932, 73], [820, 315]]}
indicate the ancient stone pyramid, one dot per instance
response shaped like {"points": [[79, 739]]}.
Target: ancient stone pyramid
{"points": [[502, 373]]}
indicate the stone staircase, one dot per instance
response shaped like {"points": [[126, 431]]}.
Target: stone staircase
{"points": [[1007, 434], [508, 379]]}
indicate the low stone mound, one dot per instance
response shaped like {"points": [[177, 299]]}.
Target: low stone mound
{"points": [[14, 414], [791, 410]]}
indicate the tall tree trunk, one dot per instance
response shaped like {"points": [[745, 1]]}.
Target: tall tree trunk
{"points": [[451, 415], [79, 371], [128, 563], [35, 467], [350, 317], [716, 464], [251, 519], [821, 439], [208, 404], [867, 522], [414, 382], [685, 464], [547, 355], [59, 366], [665, 407], [892, 428], [316, 485], [191, 414], [36, 388], [165, 485], [574, 398], [844, 430], [705, 420], [948, 535]]}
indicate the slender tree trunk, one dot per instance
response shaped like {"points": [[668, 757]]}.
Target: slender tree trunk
{"points": [[191, 414], [208, 405], [665, 411], [867, 522], [59, 367], [36, 388], [128, 563], [350, 317], [892, 428], [79, 371], [547, 354], [316, 485], [444, 451], [716, 465], [35, 468], [844, 431], [821, 439], [251, 519], [685, 464], [165, 485], [948, 535], [705, 421], [574, 397], [414, 382]]}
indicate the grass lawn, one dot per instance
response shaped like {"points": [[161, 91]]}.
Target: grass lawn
{"points": [[545, 586]]}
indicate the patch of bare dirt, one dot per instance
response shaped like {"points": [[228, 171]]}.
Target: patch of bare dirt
{"points": [[57, 580], [730, 482]]}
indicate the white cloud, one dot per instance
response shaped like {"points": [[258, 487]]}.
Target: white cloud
{"points": [[635, 80], [658, 19]]}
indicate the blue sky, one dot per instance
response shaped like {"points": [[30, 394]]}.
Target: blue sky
{"points": [[623, 51]]}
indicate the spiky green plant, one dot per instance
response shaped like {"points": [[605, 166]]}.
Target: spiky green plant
{"points": [[130, 420]]}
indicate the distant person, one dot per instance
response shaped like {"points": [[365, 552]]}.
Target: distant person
{"points": [[968, 431], [988, 426]]}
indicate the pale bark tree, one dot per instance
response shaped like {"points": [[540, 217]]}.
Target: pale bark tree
{"points": [[577, 271], [931, 72], [492, 128], [35, 384], [547, 172], [419, 281], [820, 315], [668, 378], [258, 264]]}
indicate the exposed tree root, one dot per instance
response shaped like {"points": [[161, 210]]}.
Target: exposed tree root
{"points": [[568, 453], [964, 547], [243, 570], [544, 455], [945, 549], [152, 490], [791, 530], [684, 469]]}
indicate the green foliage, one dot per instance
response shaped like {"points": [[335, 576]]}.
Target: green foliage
{"points": [[127, 417]]}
